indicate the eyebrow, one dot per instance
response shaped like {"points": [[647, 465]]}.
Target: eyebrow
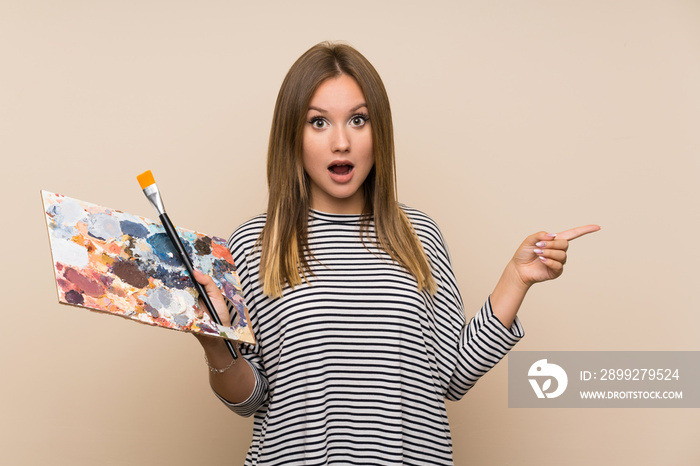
{"points": [[354, 109]]}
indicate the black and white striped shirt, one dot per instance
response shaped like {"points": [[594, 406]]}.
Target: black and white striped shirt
{"points": [[354, 366]]}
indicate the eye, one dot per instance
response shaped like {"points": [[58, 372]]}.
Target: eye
{"points": [[359, 120], [318, 122]]}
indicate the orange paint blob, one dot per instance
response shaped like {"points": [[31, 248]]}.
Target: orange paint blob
{"points": [[220, 251]]}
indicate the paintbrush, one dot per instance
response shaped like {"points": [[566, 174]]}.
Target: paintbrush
{"points": [[148, 184]]}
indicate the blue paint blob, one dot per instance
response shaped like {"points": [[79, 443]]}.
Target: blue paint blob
{"points": [[164, 249], [171, 279], [221, 268], [240, 311], [181, 319], [104, 227], [133, 229]]}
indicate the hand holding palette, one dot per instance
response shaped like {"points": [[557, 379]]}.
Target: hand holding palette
{"points": [[115, 262]]}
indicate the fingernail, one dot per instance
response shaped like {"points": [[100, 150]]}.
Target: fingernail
{"points": [[540, 244], [551, 235], [538, 251], [542, 258]]}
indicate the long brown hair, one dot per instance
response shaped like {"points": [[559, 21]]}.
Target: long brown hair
{"points": [[284, 238]]}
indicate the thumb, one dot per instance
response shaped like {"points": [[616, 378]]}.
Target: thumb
{"points": [[214, 294], [204, 279]]}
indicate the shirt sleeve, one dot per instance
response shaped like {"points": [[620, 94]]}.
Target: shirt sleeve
{"points": [[467, 351], [482, 344], [256, 399], [241, 243]]}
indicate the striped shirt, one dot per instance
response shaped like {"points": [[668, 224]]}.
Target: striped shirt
{"points": [[354, 366]]}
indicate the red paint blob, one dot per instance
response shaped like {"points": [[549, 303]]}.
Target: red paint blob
{"points": [[88, 286]]}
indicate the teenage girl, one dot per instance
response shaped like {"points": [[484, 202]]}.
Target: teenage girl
{"points": [[361, 334]]}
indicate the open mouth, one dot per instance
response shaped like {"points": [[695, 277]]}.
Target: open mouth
{"points": [[341, 168]]}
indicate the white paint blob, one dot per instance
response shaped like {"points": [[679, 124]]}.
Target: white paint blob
{"points": [[67, 213], [69, 253]]}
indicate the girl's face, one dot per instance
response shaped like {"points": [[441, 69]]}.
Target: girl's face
{"points": [[337, 146]]}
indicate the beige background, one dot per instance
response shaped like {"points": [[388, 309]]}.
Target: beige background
{"points": [[511, 117]]}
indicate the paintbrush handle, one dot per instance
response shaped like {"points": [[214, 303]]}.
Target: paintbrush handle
{"points": [[182, 252]]}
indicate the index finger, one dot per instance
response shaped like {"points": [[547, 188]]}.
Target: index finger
{"points": [[578, 231]]}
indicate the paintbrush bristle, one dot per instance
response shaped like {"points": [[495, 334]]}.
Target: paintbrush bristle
{"points": [[146, 179]]}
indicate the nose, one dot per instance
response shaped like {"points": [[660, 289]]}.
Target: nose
{"points": [[340, 142]]}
